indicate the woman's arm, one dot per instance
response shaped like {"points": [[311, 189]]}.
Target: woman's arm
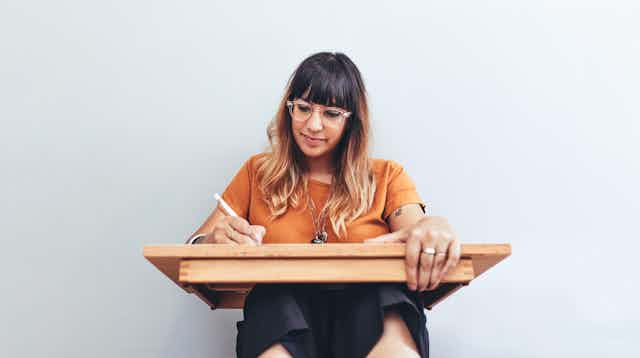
{"points": [[220, 228], [405, 216], [209, 224]]}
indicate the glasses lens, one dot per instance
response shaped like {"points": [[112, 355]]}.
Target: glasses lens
{"points": [[331, 116], [301, 111]]}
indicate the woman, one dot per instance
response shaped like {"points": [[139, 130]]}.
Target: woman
{"points": [[318, 184]]}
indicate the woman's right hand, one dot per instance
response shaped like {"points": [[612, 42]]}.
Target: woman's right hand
{"points": [[234, 231]]}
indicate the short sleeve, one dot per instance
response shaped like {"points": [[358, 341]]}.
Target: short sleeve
{"points": [[238, 192], [401, 190]]}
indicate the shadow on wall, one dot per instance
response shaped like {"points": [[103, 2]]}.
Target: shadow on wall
{"points": [[197, 331]]}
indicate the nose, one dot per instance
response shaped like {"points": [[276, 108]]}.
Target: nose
{"points": [[315, 121]]}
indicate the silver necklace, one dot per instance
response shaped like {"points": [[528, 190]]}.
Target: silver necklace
{"points": [[319, 233]]}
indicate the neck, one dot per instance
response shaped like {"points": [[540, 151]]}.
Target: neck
{"points": [[321, 165]]}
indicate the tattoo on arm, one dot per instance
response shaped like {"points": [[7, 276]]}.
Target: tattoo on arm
{"points": [[399, 210]]}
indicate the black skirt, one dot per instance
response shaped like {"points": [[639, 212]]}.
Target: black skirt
{"points": [[322, 321]]}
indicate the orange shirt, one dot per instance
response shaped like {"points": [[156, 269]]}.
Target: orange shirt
{"points": [[394, 188]]}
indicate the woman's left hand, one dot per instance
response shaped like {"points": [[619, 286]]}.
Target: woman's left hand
{"points": [[426, 270]]}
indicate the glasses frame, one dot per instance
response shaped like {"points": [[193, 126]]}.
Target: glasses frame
{"points": [[317, 107]]}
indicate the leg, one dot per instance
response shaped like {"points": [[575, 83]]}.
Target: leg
{"points": [[277, 350], [396, 340]]}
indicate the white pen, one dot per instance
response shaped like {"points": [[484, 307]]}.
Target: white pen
{"points": [[232, 213], [225, 206]]}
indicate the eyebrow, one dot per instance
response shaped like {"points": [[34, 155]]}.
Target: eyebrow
{"points": [[328, 107]]}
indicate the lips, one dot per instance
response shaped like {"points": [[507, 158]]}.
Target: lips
{"points": [[312, 138], [313, 142]]}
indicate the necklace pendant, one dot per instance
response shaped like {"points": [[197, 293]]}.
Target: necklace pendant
{"points": [[320, 238]]}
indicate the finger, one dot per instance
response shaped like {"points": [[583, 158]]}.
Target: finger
{"points": [[453, 256], [239, 238], [426, 268], [396, 236], [225, 240], [258, 232], [457, 251], [240, 225], [412, 257], [219, 237], [438, 264]]}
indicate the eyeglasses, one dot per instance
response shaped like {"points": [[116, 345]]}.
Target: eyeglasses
{"points": [[331, 116]]}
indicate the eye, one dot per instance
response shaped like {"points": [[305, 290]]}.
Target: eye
{"points": [[303, 108], [332, 114]]}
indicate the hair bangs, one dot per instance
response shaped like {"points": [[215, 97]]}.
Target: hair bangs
{"points": [[327, 84]]}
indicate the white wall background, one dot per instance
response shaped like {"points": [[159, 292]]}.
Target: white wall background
{"points": [[120, 119]]}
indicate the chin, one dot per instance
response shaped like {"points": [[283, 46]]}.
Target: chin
{"points": [[313, 154]]}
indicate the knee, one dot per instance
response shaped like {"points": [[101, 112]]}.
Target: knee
{"points": [[275, 351], [396, 340]]}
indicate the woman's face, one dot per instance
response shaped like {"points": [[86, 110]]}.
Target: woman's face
{"points": [[316, 129]]}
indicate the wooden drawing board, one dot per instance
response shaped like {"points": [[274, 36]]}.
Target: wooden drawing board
{"points": [[222, 275]]}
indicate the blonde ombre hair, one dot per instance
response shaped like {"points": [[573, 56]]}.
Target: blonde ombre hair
{"points": [[330, 79]]}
